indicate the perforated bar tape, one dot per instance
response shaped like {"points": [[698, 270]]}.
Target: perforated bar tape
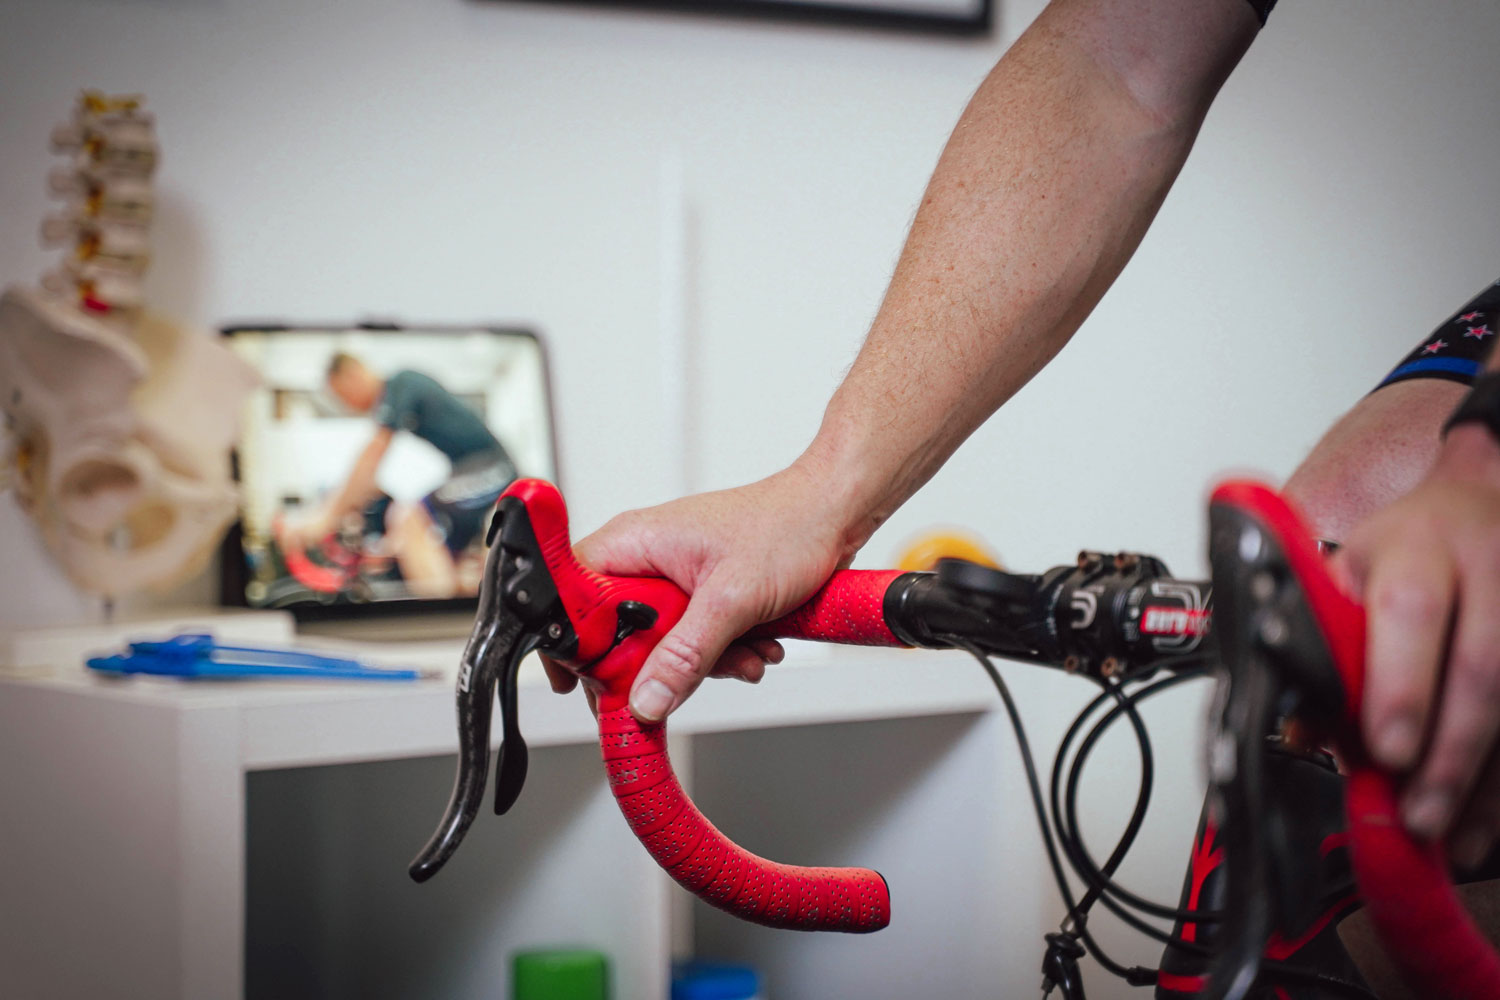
{"points": [[714, 868], [848, 610]]}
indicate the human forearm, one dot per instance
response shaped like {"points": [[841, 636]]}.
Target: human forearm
{"points": [[1045, 189], [359, 487]]}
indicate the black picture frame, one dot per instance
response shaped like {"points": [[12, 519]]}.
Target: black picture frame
{"points": [[890, 15], [234, 571]]}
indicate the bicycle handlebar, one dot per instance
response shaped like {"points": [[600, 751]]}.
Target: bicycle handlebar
{"points": [[848, 609], [604, 628], [1103, 615]]}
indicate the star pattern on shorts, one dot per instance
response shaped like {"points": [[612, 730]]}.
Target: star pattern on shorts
{"points": [[1467, 317], [1479, 332], [1435, 346]]}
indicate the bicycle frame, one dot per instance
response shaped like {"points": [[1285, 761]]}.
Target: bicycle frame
{"points": [[1286, 635]]}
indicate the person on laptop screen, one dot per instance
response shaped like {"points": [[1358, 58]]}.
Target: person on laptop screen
{"points": [[427, 538]]}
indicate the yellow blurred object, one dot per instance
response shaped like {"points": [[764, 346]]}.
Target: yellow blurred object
{"points": [[925, 550], [97, 103]]}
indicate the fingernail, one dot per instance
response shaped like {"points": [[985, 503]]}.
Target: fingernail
{"points": [[1469, 848], [1396, 743], [777, 655], [651, 700], [1426, 814]]}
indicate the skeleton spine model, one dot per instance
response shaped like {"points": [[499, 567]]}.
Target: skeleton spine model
{"points": [[118, 423], [105, 227]]}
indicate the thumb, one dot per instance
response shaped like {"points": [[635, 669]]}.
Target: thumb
{"points": [[686, 654], [619, 548]]}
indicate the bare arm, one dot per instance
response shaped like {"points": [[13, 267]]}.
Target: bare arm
{"points": [[359, 488], [1046, 187]]}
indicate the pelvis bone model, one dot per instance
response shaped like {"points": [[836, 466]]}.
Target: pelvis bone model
{"points": [[119, 423]]}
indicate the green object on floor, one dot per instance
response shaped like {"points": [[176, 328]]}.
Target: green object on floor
{"points": [[559, 975]]}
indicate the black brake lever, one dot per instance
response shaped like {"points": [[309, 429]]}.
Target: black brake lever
{"points": [[1276, 664], [1242, 718], [519, 612], [510, 767], [486, 662]]}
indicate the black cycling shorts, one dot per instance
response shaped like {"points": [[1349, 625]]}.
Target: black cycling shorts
{"points": [[461, 506]]}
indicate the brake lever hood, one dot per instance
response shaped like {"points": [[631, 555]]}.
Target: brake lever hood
{"points": [[519, 611]]}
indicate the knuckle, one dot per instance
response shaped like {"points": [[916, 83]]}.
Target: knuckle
{"points": [[619, 526], [679, 659], [628, 517]]}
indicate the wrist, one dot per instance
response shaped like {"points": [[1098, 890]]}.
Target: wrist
{"points": [[846, 479]]}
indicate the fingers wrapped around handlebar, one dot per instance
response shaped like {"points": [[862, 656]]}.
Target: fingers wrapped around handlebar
{"points": [[606, 628], [711, 866], [1404, 882]]}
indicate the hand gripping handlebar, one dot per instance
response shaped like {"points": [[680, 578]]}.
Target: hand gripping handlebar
{"points": [[1279, 612], [536, 595]]}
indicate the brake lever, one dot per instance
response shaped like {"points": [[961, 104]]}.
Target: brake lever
{"points": [[1278, 663], [537, 596], [1246, 703], [519, 612], [512, 758]]}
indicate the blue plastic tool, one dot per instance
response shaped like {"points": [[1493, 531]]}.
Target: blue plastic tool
{"points": [[197, 655]]}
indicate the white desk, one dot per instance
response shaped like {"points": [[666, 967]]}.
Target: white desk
{"points": [[123, 809]]}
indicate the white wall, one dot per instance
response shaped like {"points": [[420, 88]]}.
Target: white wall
{"points": [[457, 160], [452, 161]]}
